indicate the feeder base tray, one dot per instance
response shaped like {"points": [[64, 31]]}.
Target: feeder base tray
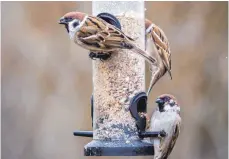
{"points": [[118, 148]]}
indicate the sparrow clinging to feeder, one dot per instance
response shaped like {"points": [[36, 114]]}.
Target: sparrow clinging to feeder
{"points": [[166, 117], [98, 36], [157, 45]]}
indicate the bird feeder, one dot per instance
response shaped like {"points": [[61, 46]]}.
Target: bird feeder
{"points": [[119, 88]]}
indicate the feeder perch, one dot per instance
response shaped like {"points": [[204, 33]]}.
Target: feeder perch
{"points": [[119, 88], [119, 148]]}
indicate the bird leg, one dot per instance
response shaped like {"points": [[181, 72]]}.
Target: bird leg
{"points": [[92, 55], [99, 55], [125, 45]]}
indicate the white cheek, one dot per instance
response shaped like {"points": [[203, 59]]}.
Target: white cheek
{"points": [[72, 32], [171, 101], [167, 107], [71, 35], [174, 108]]}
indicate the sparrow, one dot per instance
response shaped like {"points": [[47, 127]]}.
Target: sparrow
{"points": [[166, 117], [97, 35], [157, 45]]}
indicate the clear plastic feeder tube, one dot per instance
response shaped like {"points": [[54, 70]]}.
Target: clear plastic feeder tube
{"points": [[118, 79]]}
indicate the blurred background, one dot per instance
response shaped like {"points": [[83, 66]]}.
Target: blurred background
{"points": [[47, 84]]}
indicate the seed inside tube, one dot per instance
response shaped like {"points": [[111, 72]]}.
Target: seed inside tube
{"points": [[120, 79]]}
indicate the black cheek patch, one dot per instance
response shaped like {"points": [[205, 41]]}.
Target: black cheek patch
{"points": [[172, 104], [75, 24]]}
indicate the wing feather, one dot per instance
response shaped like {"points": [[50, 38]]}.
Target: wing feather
{"points": [[162, 45], [176, 131]]}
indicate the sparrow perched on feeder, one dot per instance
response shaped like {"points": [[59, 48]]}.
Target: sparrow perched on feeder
{"points": [[98, 36], [157, 45], [166, 117]]}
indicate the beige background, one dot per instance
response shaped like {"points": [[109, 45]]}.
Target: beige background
{"points": [[47, 79]]}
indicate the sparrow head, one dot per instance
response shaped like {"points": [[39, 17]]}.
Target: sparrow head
{"points": [[148, 27], [167, 102], [72, 22], [147, 23]]}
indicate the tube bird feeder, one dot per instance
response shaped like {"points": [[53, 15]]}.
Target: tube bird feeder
{"points": [[119, 88], [118, 79]]}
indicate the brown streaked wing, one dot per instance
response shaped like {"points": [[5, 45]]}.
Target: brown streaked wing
{"points": [[157, 39], [161, 41], [86, 31], [118, 32], [104, 34], [160, 33], [95, 21], [173, 141]]}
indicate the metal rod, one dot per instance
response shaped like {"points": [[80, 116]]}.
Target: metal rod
{"points": [[83, 133], [152, 134]]}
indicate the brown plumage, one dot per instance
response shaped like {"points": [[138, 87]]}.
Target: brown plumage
{"points": [[166, 117], [158, 46], [97, 35]]}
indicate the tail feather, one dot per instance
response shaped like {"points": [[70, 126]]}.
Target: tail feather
{"points": [[156, 144], [144, 54], [170, 74], [154, 78]]}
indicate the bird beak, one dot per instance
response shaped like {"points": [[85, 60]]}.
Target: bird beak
{"points": [[159, 101], [63, 21]]}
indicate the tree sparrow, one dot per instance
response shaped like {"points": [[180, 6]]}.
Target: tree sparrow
{"points": [[158, 46], [98, 36], [165, 117]]}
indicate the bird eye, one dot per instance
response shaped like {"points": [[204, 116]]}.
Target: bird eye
{"points": [[68, 19], [75, 24]]}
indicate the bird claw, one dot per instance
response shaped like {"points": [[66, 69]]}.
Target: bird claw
{"points": [[92, 55], [125, 45], [151, 69], [162, 134], [101, 56]]}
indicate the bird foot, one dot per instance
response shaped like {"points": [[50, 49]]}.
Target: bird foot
{"points": [[125, 45], [100, 55], [162, 134]]}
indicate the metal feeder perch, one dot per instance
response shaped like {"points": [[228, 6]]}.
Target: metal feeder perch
{"points": [[123, 148], [118, 129]]}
